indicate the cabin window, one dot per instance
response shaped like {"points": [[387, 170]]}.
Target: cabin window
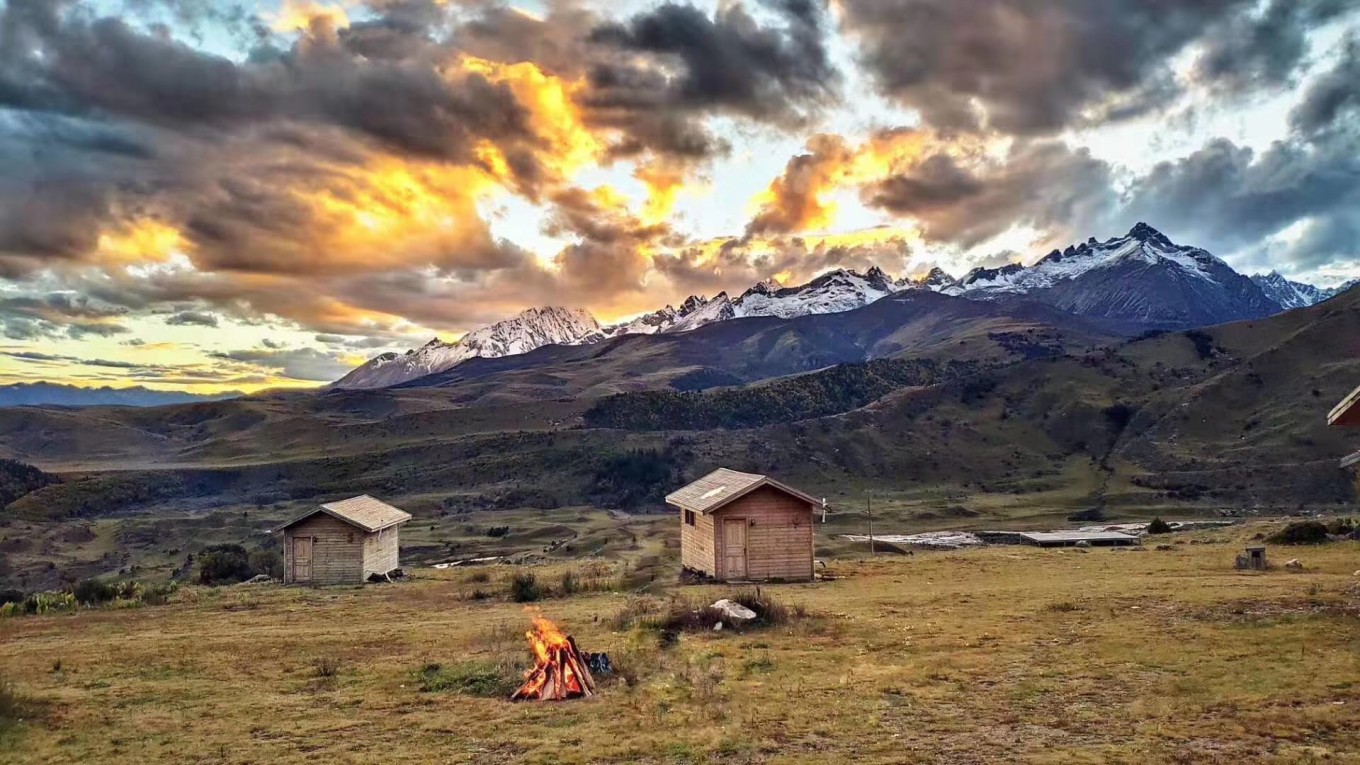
{"points": [[689, 517], [351, 538]]}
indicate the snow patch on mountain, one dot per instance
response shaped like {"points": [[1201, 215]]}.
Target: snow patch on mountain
{"points": [[1142, 246], [1291, 294], [522, 333]]}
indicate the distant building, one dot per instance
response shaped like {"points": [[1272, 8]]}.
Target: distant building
{"points": [[1347, 415], [745, 527], [342, 542]]}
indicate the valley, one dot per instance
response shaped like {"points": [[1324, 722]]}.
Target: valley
{"points": [[987, 413]]}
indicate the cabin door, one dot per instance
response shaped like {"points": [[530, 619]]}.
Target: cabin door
{"points": [[734, 548], [302, 559]]}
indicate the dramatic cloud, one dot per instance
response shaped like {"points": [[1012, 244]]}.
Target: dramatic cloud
{"points": [[1247, 53], [1227, 197], [352, 174], [297, 364], [1043, 185], [1034, 67], [1334, 95], [198, 318]]}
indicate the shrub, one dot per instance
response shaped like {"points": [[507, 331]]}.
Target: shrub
{"points": [[568, 583], [470, 678], [268, 562], [1301, 533], [1159, 526], [497, 531], [224, 564], [326, 666], [524, 588], [1341, 526], [92, 592]]}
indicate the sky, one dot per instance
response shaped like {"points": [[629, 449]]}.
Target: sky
{"points": [[207, 195]]}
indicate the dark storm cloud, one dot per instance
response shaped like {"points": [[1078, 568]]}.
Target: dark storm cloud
{"points": [[192, 318], [1248, 52], [1227, 197], [1032, 67], [728, 61], [1332, 96], [71, 64], [38, 316], [655, 77], [1045, 185]]}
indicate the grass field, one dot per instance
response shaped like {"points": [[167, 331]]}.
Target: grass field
{"points": [[995, 655]]}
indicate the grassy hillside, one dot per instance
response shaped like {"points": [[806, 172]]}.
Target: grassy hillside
{"points": [[1000, 655], [1228, 419]]}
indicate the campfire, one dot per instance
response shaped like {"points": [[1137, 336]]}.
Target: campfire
{"points": [[561, 671]]}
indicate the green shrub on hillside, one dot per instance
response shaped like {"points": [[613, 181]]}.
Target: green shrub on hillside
{"points": [[1159, 526], [231, 563], [18, 479], [1301, 533]]}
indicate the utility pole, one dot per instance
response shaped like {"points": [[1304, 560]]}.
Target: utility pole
{"points": [[869, 509]]}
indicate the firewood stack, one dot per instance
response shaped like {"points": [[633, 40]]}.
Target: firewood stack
{"points": [[559, 671]]}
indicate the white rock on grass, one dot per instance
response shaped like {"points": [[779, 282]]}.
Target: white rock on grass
{"points": [[734, 611]]}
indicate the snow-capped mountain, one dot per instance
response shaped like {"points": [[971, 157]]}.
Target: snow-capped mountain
{"points": [[935, 280], [1291, 294], [832, 292], [662, 320], [522, 333], [1142, 278], [1139, 280]]}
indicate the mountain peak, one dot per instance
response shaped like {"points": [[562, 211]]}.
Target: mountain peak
{"points": [[1145, 233]]}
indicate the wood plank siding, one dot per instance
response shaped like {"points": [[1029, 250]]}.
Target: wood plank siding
{"points": [[337, 550], [779, 535], [697, 551], [380, 551]]}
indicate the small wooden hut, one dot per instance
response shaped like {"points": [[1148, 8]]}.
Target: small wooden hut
{"points": [[745, 527], [342, 542], [1347, 415]]}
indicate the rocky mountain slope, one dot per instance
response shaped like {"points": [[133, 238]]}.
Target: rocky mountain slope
{"points": [[1132, 283], [1142, 279], [522, 333], [1291, 294]]}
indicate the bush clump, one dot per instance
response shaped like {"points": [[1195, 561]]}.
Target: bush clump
{"points": [[232, 563], [524, 588], [1159, 526], [1300, 533], [469, 678]]}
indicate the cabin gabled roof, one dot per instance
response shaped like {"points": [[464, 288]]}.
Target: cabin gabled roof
{"points": [[363, 511], [723, 486], [1347, 412]]}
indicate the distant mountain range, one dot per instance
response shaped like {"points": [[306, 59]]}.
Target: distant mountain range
{"points": [[1291, 294], [1135, 282], [57, 394]]}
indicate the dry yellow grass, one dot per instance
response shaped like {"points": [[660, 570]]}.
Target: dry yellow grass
{"points": [[999, 655]]}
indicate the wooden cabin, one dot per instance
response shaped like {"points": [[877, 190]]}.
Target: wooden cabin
{"points": [[745, 527], [342, 542], [1347, 415]]}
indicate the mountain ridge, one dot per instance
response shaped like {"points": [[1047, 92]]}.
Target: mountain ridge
{"points": [[1140, 281]]}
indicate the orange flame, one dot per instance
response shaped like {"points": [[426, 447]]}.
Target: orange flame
{"points": [[558, 671]]}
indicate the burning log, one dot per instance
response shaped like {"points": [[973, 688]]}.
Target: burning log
{"points": [[560, 671]]}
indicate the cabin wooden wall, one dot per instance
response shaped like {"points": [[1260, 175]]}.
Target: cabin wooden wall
{"points": [[337, 553], [778, 543], [380, 551], [696, 544]]}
